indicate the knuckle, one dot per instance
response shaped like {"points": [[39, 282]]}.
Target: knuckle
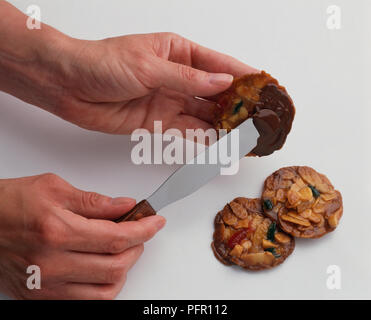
{"points": [[119, 244], [51, 231], [116, 271], [147, 232], [48, 182], [90, 199], [171, 35], [186, 72], [166, 37], [49, 178]]}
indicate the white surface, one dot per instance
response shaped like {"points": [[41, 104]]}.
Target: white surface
{"points": [[325, 73]]}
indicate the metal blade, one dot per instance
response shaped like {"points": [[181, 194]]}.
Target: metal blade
{"points": [[193, 175]]}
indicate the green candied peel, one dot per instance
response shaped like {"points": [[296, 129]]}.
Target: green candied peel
{"points": [[237, 107], [271, 231], [273, 251], [315, 192], [268, 204]]}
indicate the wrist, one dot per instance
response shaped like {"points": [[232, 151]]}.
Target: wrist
{"points": [[33, 62]]}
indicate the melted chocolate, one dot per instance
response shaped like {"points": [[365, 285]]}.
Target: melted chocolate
{"points": [[258, 96], [272, 119]]}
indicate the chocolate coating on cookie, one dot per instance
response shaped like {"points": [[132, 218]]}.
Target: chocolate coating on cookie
{"points": [[258, 96], [303, 201], [245, 237]]}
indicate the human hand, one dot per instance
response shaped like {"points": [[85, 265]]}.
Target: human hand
{"points": [[113, 85], [45, 221], [119, 84]]}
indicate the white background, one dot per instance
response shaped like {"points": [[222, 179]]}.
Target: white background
{"points": [[325, 72]]}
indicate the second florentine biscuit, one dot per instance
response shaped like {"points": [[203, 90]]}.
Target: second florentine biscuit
{"points": [[303, 201]]}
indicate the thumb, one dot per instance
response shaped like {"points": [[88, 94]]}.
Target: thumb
{"points": [[185, 79], [96, 206]]}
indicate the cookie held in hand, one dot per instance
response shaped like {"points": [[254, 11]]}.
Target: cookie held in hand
{"points": [[245, 237], [303, 201], [258, 96]]}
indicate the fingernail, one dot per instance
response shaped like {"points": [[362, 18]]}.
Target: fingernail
{"points": [[121, 201], [220, 79]]}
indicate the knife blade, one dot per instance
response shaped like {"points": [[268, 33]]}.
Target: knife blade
{"points": [[194, 174]]}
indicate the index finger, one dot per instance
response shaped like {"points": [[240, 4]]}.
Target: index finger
{"points": [[184, 51], [212, 61], [104, 236]]}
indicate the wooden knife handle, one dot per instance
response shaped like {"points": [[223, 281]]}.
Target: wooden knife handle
{"points": [[141, 210]]}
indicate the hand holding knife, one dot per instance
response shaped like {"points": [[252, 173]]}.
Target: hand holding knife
{"points": [[192, 176]]}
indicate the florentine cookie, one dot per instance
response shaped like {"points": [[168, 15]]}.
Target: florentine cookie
{"points": [[245, 237], [257, 96], [303, 201]]}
